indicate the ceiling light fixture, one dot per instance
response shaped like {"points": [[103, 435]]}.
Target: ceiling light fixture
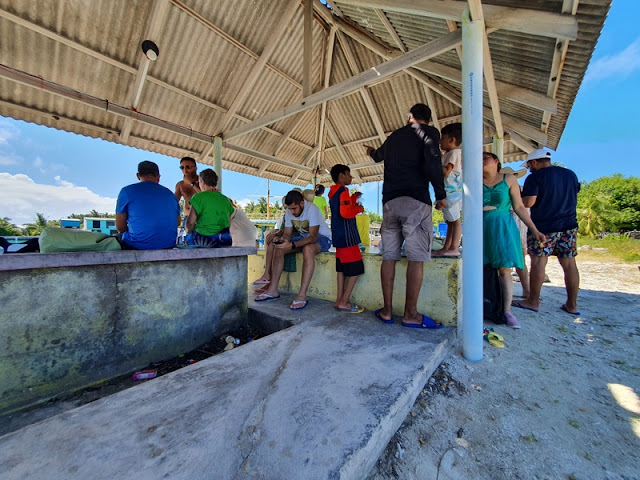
{"points": [[150, 50]]}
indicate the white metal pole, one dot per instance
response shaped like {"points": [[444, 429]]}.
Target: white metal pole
{"points": [[217, 160], [498, 148], [470, 329]]}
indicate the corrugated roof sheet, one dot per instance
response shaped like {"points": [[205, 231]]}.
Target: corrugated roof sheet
{"points": [[208, 51]]}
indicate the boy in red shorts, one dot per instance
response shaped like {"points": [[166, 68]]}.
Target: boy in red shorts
{"points": [[344, 208]]}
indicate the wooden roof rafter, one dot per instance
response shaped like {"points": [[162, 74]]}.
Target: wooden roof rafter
{"points": [[475, 8], [533, 22], [560, 52]]}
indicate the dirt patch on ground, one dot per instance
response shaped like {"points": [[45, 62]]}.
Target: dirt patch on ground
{"points": [[560, 401], [9, 423]]}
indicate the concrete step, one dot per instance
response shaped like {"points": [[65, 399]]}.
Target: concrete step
{"points": [[318, 400]]}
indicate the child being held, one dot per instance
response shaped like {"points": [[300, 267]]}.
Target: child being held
{"points": [[344, 208], [450, 140]]}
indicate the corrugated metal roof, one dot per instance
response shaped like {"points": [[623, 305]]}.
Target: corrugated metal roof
{"points": [[207, 54]]}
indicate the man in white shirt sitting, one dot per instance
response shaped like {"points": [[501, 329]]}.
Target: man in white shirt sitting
{"points": [[313, 237]]}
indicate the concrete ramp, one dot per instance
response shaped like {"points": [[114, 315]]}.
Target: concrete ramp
{"points": [[318, 400]]}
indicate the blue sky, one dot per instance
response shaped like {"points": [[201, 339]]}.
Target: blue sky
{"points": [[58, 173]]}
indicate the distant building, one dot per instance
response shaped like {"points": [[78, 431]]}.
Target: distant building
{"points": [[70, 223], [100, 225]]}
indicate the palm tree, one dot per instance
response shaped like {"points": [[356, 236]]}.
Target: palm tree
{"points": [[35, 228], [249, 207], [595, 216], [7, 228], [262, 205]]}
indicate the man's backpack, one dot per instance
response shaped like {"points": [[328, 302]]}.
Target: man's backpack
{"points": [[492, 295]]}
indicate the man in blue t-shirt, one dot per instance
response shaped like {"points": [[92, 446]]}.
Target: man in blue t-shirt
{"points": [[552, 194], [147, 214]]}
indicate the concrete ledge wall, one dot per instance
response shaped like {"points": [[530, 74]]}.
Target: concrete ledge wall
{"points": [[65, 328], [439, 297]]}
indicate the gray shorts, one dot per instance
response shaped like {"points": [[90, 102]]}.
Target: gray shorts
{"points": [[405, 219]]}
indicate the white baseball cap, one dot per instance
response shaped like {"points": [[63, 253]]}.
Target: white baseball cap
{"points": [[537, 154], [511, 171]]}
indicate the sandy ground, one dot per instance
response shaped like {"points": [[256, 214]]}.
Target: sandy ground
{"points": [[560, 401]]}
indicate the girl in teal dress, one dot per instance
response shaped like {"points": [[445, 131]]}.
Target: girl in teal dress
{"points": [[502, 247]]}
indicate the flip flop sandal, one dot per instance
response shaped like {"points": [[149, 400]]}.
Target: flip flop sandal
{"points": [[575, 314], [262, 282], [427, 322], [354, 309], [380, 317], [489, 332], [265, 297], [294, 304], [517, 304], [493, 339]]}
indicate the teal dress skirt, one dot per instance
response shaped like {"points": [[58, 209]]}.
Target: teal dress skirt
{"points": [[502, 247]]}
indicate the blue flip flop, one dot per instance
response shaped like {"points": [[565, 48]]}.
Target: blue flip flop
{"points": [[517, 304], [383, 320], [564, 307], [427, 322]]}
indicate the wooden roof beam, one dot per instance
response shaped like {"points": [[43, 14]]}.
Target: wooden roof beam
{"points": [[508, 91], [326, 78], [192, 13], [522, 20], [366, 97], [424, 52], [341, 151], [392, 31], [264, 156], [308, 48], [305, 161], [432, 106], [560, 53], [287, 133], [475, 8], [99, 56], [452, 26], [270, 46]]}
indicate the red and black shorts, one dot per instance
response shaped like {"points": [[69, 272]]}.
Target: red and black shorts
{"points": [[349, 261]]}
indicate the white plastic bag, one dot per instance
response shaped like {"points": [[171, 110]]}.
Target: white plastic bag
{"points": [[243, 232]]}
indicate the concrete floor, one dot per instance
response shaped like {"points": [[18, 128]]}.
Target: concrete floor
{"points": [[320, 399]]}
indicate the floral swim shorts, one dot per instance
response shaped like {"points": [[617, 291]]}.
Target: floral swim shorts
{"points": [[560, 244]]}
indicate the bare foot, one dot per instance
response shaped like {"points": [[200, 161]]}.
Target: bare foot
{"points": [[298, 304], [262, 281], [525, 304], [414, 319]]}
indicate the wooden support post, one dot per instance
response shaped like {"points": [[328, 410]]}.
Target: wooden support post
{"points": [[217, 160]]}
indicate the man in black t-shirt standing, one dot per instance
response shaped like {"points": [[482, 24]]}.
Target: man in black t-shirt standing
{"points": [[552, 194], [411, 158]]}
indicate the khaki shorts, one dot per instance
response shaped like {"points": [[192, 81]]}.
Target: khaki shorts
{"points": [[405, 219], [451, 212]]}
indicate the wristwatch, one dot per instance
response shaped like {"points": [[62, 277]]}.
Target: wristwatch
{"points": [[293, 246]]}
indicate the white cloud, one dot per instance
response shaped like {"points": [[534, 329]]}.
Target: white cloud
{"points": [[616, 66], [6, 160], [243, 203], [7, 131], [21, 198]]}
